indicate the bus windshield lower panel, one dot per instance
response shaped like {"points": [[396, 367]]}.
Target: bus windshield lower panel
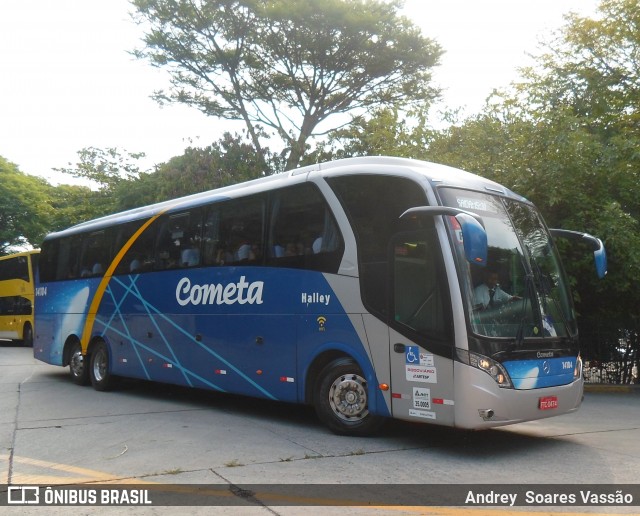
{"points": [[522, 291]]}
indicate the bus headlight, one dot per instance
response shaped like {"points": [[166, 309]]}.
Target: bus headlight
{"points": [[577, 370], [488, 365]]}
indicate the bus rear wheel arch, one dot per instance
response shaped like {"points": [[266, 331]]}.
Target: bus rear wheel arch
{"points": [[341, 399]]}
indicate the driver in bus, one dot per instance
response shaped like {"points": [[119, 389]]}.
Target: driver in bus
{"points": [[489, 294]]}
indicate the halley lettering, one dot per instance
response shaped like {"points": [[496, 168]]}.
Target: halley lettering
{"points": [[219, 294], [316, 298]]}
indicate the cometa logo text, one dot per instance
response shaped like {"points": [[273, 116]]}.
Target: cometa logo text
{"points": [[241, 292]]}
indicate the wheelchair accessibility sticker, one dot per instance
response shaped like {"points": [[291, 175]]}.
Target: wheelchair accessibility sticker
{"points": [[413, 356], [419, 366]]}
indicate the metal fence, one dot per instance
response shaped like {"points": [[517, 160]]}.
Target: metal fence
{"points": [[610, 356], [610, 372]]}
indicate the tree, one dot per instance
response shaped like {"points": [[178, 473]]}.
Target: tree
{"points": [[109, 170], [593, 66], [585, 89], [386, 132], [283, 67], [227, 161], [104, 167], [566, 136], [72, 204], [24, 209]]}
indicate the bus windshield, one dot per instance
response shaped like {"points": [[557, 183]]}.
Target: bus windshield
{"points": [[522, 291]]}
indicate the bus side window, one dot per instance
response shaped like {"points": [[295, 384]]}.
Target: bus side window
{"points": [[15, 268], [374, 224], [418, 291], [211, 242], [139, 257], [179, 240], [68, 265], [233, 232], [191, 243], [96, 253], [122, 235], [303, 233], [167, 244]]}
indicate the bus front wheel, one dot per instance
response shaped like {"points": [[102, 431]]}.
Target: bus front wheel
{"points": [[341, 399], [78, 365], [101, 377], [27, 336]]}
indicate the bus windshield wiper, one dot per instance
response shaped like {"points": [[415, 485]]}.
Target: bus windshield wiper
{"points": [[528, 282], [546, 294]]}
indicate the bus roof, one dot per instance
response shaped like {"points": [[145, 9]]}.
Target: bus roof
{"points": [[441, 175], [21, 253]]}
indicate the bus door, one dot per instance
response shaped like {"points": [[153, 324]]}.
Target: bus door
{"points": [[421, 335]]}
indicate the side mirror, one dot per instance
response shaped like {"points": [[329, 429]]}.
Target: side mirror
{"points": [[596, 245], [474, 236]]}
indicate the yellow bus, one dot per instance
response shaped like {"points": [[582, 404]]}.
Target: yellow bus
{"points": [[16, 296]]}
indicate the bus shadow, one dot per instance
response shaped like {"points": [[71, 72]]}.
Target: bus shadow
{"points": [[242, 406], [4, 343], [490, 444]]}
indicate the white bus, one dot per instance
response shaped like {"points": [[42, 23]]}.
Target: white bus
{"points": [[367, 287]]}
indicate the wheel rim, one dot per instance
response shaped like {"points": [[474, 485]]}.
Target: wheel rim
{"points": [[348, 397], [100, 365], [77, 363]]}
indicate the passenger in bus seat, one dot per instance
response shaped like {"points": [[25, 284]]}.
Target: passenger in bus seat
{"points": [[135, 266], [245, 252], [223, 256], [291, 249], [190, 256]]}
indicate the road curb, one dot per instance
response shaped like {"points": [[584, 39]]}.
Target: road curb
{"points": [[603, 387]]}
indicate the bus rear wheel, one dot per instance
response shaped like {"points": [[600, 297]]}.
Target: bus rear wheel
{"points": [[78, 365], [341, 399], [101, 377]]}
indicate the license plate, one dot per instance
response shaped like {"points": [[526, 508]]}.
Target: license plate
{"points": [[548, 403]]}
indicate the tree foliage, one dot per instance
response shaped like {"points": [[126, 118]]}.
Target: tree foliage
{"points": [[387, 132], [109, 171], [283, 67], [227, 161], [104, 167], [73, 204], [572, 125], [567, 137], [24, 208]]}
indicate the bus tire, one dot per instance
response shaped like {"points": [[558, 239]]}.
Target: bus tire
{"points": [[78, 367], [101, 378], [27, 336], [341, 399]]}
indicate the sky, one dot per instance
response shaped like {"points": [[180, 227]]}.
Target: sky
{"points": [[68, 80]]}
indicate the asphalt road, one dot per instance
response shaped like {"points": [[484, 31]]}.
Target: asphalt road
{"points": [[54, 432]]}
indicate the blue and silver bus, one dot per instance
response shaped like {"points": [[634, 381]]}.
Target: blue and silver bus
{"points": [[359, 286]]}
